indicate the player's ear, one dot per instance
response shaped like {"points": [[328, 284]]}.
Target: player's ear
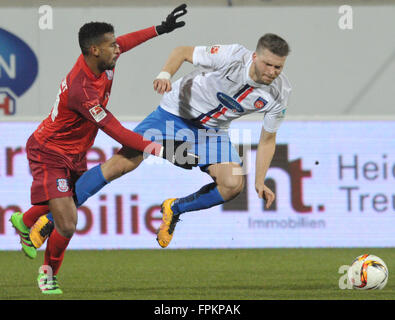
{"points": [[254, 56], [94, 50]]}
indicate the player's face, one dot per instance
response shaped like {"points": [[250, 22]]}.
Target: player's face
{"points": [[266, 66], [108, 52]]}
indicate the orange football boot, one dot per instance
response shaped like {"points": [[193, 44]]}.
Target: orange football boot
{"points": [[40, 231], [169, 221]]}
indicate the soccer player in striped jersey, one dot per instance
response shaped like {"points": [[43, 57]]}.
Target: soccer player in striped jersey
{"points": [[230, 81], [57, 149]]}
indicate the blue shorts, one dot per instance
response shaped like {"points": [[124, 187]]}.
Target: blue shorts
{"points": [[212, 145]]}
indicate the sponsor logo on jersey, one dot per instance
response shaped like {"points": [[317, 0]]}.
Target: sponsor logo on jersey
{"points": [[63, 185], [18, 70], [98, 113], [229, 102], [260, 103]]}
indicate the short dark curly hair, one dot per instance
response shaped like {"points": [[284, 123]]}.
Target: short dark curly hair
{"points": [[92, 33], [274, 44]]}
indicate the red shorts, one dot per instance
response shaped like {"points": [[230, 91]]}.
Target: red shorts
{"points": [[54, 174]]}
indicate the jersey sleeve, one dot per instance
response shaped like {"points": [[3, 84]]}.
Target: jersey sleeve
{"points": [[217, 56], [128, 138], [107, 122], [273, 118], [130, 40], [276, 114], [85, 102]]}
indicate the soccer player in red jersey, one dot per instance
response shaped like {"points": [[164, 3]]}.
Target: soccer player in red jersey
{"points": [[57, 149]]}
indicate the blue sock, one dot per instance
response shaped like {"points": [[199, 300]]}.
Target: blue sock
{"points": [[91, 182], [207, 197]]}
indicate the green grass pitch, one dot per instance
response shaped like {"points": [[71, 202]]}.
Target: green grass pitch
{"points": [[231, 274]]}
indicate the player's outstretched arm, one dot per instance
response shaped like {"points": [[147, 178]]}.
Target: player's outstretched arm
{"points": [[133, 39], [264, 156], [162, 83], [177, 152]]}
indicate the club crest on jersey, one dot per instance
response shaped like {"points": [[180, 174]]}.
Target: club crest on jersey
{"points": [[213, 49], [110, 74], [62, 185], [97, 113], [260, 103]]}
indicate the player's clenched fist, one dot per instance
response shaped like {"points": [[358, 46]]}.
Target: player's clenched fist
{"points": [[162, 85]]}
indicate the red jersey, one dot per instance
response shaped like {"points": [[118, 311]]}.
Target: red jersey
{"points": [[80, 107]]}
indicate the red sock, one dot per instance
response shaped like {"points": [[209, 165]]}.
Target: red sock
{"points": [[56, 248], [47, 256], [31, 216]]}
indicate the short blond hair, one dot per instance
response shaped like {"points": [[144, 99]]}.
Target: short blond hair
{"points": [[274, 44]]}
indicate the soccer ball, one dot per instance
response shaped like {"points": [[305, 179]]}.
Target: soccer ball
{"points": [[368, 272]]}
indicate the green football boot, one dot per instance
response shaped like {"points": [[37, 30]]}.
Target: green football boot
{"points": [[48, 285], [27, 246]]}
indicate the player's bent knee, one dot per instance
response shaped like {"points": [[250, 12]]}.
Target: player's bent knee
{"points": [[234, 185], [67, 229], [64, 212], [238, 185]]}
